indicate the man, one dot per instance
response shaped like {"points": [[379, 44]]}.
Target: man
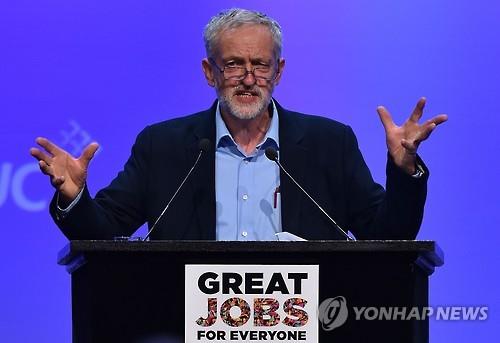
{"points": [[235, 193]]}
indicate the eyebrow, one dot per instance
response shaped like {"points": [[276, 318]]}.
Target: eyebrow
{"points": [[241, 60]]}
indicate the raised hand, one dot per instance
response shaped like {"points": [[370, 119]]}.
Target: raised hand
{"points": [[403, 141], [67, 174]]}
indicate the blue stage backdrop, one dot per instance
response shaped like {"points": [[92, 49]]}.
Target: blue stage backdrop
{"points": [[78, 71]]}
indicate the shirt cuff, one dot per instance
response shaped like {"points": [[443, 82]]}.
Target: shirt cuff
{"points": [[419, 171], [66, 210]]}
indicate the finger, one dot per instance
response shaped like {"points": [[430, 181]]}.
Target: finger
{"points": [[439, 119], [385, 118], [89, 152], [40, 156], [49, 146], [45, 168], [425, 131], [418, 110], [431, 124]]}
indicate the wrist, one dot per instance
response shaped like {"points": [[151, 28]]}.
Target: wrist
{"points": [[67, 196]]}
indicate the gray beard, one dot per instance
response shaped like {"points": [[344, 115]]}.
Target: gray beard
{"points": [[244, 112]]}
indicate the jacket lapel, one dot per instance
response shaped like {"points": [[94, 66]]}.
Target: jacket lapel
{"points": [[204, 176], [293, 157]]}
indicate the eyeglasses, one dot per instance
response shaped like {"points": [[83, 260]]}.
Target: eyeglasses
{"points": [[262, 74]]}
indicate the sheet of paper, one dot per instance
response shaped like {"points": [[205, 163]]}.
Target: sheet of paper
{"points": [[288, 237]]}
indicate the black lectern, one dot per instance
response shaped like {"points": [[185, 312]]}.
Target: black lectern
{"points": [[125, 291]]}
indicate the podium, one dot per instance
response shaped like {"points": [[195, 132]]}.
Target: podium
{"points": [[133, 291]]}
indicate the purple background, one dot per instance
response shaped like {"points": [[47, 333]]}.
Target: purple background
{"points": [[102, 70]]}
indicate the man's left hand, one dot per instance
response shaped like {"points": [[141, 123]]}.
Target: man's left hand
{"points": [[403, 141]]}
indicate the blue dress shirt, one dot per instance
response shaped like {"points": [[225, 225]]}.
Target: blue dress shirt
{"points": [[246, 187]]}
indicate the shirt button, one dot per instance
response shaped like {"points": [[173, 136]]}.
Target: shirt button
{"points": [[245, 197], [244, 233], [246, 161]]}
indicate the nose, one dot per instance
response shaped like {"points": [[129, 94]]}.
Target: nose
{"points": [[249, 79]]}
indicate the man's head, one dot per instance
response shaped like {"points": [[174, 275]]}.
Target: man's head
{"points": [[243, 60]]}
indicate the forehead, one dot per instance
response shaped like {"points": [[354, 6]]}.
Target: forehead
{"points": [[246, 41]]}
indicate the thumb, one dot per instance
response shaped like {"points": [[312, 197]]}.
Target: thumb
{"points": [[89, 152], [411, 147]]}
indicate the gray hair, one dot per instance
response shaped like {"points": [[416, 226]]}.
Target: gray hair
{"points": [[236, 17]]}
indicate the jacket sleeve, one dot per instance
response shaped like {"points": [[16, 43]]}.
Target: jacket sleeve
{"points": [[373, 213], [117, 210]]}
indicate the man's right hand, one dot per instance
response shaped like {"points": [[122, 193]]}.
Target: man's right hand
{"points": [[67, 174]]}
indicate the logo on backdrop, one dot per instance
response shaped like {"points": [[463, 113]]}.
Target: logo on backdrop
{"points": [[14, 179], [241, 303]]}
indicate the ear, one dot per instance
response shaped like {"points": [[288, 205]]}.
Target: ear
{"points": [[281, 66], [208, 71]]}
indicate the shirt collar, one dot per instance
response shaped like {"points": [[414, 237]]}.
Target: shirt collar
{"points": [[223, 135]]}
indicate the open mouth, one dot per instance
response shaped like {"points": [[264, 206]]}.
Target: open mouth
{"points": [[246, 95]]}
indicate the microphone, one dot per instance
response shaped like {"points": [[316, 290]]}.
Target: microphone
{"points": [[204, 147], [272, 154]]}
